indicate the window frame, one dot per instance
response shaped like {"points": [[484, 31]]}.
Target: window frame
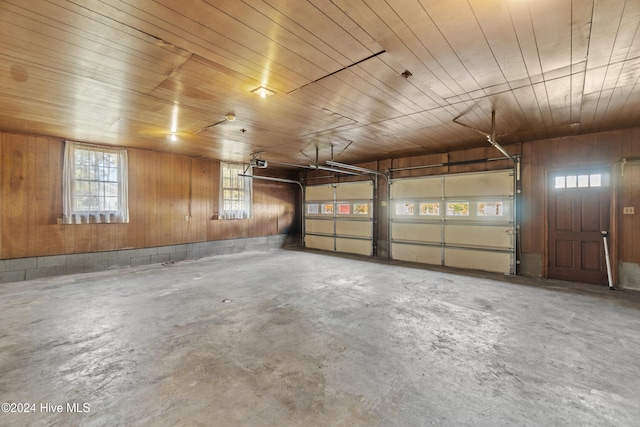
{"points": [[232, 206], [93, 171]]}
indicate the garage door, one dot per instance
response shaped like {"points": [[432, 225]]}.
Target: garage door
{"points": [[458, 220], [338, 217]]}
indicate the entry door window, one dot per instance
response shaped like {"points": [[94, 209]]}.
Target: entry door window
{"points": [[583, 180]]}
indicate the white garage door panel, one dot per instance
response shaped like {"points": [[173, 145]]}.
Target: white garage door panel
{"points": [[319, 226], [342, 232], [319, 192], [352, 246], [474, 228], [415, 253], [417, 188], [354, 191], [474, 235], [353, 228], [319, 242], [431, 233], [497, 262], [479, 184]]}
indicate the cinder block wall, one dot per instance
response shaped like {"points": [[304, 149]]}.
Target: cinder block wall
{"points": [[15, 270]]}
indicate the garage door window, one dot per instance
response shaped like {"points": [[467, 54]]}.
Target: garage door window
{"points": [[327, 209], [490, 209], [361, 208], [430, 209], [344, 208], [458, 209], [404, 209]]}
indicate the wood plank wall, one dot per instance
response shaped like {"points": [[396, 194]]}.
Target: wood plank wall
{"points": [[538, 158], [630, 224], [163, 189], [160, 185], [606, 149]]}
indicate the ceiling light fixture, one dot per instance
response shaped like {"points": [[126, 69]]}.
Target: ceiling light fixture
{"points": [[230, 117], [263, 92], [174, 123]]}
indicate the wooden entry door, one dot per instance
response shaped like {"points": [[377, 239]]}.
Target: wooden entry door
{"points": [[579, 206]]}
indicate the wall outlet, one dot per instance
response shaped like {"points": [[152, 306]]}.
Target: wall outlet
{"points": [[186, 218], [628, 210], [58, 220]]}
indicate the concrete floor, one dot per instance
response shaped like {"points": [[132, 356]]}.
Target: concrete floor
{"points": [[292, 338]]}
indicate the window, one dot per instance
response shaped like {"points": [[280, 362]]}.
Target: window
{"points": [[344, 208], [361, 208], [94, 184], [404, 209], [431, 209], [327, 208], [312, 208], [458, 209], [490, 209], [235, 193], [578, 181]]}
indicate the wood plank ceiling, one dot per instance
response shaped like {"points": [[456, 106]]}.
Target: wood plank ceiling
{"points": [[130, 72]]}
